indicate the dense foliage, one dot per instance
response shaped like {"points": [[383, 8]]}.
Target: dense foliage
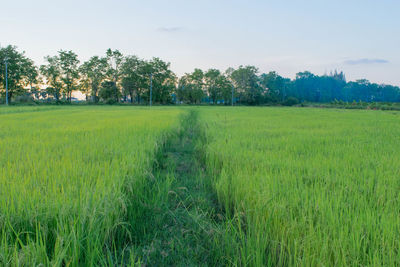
{"points": [[129, 77]]}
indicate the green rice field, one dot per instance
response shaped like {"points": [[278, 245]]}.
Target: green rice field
{"points": [[102, 186], [311, 187], [69, 180]]}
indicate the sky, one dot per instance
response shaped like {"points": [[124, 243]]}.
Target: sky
{"points": [[359, 37]]}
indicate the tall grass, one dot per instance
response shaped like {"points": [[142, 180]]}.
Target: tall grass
{"points": [[308, 187], [73, 181]]}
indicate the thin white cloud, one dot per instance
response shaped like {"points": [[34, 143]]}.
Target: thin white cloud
{"points": [[366, 61], [169, 29]]}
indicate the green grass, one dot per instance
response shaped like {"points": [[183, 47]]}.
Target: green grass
{"points": [[308, 187], [187, 227], [73, 179], [241, 186]]}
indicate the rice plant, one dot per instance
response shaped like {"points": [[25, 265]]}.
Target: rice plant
{"points": [[73, 181], [308, 187], [87, 186]]}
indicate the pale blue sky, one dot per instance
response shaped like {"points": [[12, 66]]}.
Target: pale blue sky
{"points": [[360, 37]]}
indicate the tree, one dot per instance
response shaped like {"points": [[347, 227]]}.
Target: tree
{"points": [[68, 62], [52, 72], [225, 86], [130, 77], [32, 76], [93, 72], [389, 93], [245, 80], [218, 86], [360, 90], [108, 92], [274, 86], [114, 60], [233, 91], [212, 77], [191, 87], [310, 87], [163, 79], [133, 77], [20, 71], [182, 91], [331, 86], [306, 86]]}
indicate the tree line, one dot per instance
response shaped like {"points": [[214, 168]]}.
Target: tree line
{"points": [[114, 78]]}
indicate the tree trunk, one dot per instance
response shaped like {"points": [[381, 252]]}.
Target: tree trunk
{"points": [[116, 91]]}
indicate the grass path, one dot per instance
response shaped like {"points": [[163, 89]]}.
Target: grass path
{"points": [[187, 229]]}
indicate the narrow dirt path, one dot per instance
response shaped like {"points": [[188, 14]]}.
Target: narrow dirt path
{"points": [[189, 229]]}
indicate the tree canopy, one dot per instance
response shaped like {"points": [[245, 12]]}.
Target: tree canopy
{"points": [[115, 77]]}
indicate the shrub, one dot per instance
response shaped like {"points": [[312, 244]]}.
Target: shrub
{"points": [[25, 99], [291, 101]]}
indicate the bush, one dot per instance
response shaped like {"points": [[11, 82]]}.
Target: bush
{"points": [[291, 101], [24, 99]]}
